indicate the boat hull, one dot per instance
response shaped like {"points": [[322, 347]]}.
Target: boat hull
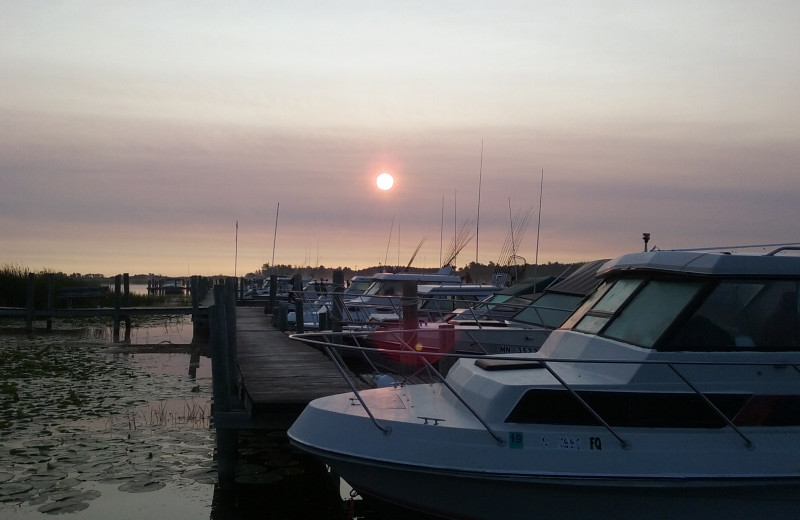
{"points": [[418, 452], [482, 496]]}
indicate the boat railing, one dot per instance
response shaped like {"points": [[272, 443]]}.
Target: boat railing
{"points": [[334, 342], [369, 312]]}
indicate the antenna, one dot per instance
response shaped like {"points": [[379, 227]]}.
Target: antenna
{"points": [[441, 235], [478, 221], [538, 227], [455, 218], [236, 254], [389, 243], [275, 236], [513, 244]]}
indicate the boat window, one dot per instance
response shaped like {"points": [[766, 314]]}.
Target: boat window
{"points": [[613, 299], [385, 288], [588, 304], [548, 311], [655, 410], [743, 314], [652, 310]]}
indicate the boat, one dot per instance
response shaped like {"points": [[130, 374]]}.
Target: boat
{"points": [[482, 328], [317, 298], [167, 286], [261, 292], [385, 293], [673, 391], [436, 301]]}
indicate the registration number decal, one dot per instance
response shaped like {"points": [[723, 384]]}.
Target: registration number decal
{"points": [[571, 443]]}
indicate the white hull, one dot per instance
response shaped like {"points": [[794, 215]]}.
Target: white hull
{"points": [[455, 468], [478, 496]]}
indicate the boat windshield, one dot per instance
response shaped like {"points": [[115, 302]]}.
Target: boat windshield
{"points": [[385, 288], [548, 311], [694, 314]]}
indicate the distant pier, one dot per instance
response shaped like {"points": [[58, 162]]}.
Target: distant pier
{"points": [[121, 311]]}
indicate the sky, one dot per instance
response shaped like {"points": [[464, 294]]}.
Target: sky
{"points": [[171, 137]]}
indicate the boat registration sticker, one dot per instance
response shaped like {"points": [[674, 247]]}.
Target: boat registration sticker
{"points": [[515, 441]]}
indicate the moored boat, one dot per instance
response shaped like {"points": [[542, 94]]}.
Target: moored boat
{"points": [[672, 391]]}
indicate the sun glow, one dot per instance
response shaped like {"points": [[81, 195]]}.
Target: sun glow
{"points": [[385, 181]]}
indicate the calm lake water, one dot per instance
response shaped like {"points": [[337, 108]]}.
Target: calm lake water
{"points": [[90, 429]]}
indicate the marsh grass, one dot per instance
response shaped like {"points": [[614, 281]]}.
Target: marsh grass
{"points": [[166, 414], [14, 290]]}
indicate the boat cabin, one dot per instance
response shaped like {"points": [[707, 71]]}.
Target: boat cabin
{"points": [[690, 301]]}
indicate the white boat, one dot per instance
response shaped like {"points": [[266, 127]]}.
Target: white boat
{"points": [[385, 293], [283, 285], [673, 391], [523, 331], [318, 297]]}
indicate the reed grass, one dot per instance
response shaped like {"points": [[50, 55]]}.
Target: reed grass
{"points": [[14, 289]]}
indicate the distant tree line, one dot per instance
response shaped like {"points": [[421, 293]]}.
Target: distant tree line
{"points": [[473, 272]]}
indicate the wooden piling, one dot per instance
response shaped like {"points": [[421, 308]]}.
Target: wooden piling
{"points": [[51, 289], [126, 297], [229, 296], [31, 306], [299, 324], [338, 302], [200, 332], [273, 293], [117, 305], [221, 388]]}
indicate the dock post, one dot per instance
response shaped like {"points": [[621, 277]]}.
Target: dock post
{"points": [[226, 437], [299, 325], [51, 283], [230, 328], [199, 325], [31, 307], [273, 293], [126, 285], [338, 301], [117, 302]]}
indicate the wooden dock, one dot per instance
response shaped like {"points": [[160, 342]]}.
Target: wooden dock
{"points": [[262, 379], [279, 376]]}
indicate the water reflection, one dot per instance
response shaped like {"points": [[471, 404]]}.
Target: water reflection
{"points": [[173, 329], [94, 429], [275, 481]]}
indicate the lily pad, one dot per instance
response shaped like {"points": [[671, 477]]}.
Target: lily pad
{"points": [[48, 476], [63, 507], [14, 488], [202, 475], [142, 486]]}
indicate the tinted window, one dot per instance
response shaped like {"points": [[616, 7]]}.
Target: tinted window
{"points": [[651, 311], [742, 314], [599, 315]]}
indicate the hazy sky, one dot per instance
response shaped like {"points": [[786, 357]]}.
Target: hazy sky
{"points": [[134, 135]]}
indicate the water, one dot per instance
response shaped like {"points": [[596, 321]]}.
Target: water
{"points": [[90, 429]]}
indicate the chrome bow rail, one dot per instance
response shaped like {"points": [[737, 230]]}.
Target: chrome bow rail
{"points": [[332, 343]]}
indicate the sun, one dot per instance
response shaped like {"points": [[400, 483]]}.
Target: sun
{"points": [[385, 181]]}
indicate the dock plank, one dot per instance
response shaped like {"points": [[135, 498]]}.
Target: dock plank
{"points": [[278, 374]]}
